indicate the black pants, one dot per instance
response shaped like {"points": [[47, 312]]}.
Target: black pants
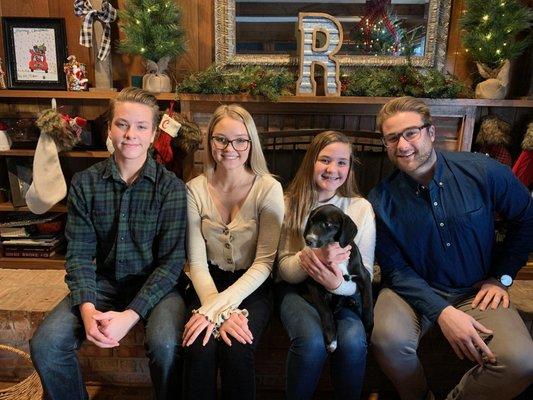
{"points": [[236, 362]]}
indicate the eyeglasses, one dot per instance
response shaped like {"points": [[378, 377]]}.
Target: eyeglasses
{"points": [[409, 135], [239, 144]]}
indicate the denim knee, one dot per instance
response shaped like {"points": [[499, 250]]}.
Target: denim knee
{"points": [[309, 346], [49, 345], [161, 348], [40, 345]]}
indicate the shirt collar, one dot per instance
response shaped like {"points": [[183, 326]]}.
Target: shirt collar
{"points": [[149, 169], [439, 174]]}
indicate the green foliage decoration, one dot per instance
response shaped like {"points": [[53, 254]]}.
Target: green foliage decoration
{"points": [[361, 81], [491, 28], [378, 40], [402, 81], [152, 28], [251, 80]]}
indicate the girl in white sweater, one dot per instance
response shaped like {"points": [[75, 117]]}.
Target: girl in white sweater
{"points": [[235, 212], [326, 176]]}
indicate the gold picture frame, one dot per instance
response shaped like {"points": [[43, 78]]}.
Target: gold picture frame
{"points": [[434, 56]]}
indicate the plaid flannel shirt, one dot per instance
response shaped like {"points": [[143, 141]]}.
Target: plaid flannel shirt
{"points": [[132, 235]]}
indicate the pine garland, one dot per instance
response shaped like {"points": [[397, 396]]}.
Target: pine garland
{"points": [[252, 80], [152, 28], [490, 30], [403, 81], [361, 81]]}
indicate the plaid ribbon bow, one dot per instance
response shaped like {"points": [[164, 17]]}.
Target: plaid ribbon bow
{"points": [[106, 15]]}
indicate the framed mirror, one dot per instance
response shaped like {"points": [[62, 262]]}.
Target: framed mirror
{"points": [[376, 32]]}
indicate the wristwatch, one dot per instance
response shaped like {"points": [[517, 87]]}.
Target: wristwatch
{"points": [[505, 280]]}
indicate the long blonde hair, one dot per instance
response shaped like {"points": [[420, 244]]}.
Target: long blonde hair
{"points": [[302, 193], [256, 160]]}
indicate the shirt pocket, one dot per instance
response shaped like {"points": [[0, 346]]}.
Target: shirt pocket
{"points": [[143, 227], [472, 226], [105, 225]]}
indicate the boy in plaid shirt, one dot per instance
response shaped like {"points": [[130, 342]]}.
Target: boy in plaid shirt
{"points": [[126, 249]]}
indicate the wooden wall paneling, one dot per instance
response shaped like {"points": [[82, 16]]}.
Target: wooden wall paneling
{"points": [[457, 60], [206, 37], [198, 22], [188, 61], [26, 8]]}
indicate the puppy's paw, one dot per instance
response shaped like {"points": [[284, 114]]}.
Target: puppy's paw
{"points": [[331, 347]]}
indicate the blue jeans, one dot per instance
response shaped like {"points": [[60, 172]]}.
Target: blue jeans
{"points": [[53, 346], [307, 352]]}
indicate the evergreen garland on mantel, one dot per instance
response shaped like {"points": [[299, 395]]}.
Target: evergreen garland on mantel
{"points": [[361, 81]]}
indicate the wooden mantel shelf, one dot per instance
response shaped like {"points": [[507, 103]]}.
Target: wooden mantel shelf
{"points": [[70, 154], [61, 94], [106, 95], [352, 100]]}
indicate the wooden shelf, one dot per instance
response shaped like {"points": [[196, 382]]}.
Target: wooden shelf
{"points": [[72, 154], [352, 100], [61, 94], [55, 262], [7, 206], [106, 95]]}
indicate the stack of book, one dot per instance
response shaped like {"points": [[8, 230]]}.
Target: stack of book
{"points": [[25, 237], [37, 247]]}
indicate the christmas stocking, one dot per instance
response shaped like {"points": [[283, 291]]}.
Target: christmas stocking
{"points": [[168, 129], [48, 186]]}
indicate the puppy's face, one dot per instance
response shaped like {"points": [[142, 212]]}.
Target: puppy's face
{"points": [[328, 224]]}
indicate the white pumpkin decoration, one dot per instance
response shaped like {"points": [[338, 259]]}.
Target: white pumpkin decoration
{"points": [[497, 81], [156, 80]]}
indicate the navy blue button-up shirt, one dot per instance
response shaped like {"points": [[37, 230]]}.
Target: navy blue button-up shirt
{"points": [[441, 236]]}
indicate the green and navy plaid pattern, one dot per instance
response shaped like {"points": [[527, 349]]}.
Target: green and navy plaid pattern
{"points": [[132, 235]]}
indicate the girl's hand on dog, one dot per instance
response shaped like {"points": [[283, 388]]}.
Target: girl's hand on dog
{"points": [[333, 253], [329, 276], [236, 326], [197, 323]]}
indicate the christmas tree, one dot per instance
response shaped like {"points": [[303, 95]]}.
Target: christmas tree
{"points": [[490, 30], [152, 28], [378, 32]]}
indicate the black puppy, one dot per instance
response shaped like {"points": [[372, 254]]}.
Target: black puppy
{"points": [[328, 224]]}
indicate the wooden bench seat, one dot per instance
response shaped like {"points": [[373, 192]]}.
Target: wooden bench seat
{"points": [[26, 296]]}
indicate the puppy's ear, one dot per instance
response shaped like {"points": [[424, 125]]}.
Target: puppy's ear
{"points": [[348, 231], [309, 218]]}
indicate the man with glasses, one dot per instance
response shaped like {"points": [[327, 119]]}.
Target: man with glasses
{"points": [[435, 231]]}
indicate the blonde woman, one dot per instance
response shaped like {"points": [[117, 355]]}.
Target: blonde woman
{"points": [[326, 176], [235, 212]]}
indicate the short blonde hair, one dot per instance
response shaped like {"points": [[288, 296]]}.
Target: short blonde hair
{"points": [[135, 95], [256, 160], [403, 104], [302, 193]]}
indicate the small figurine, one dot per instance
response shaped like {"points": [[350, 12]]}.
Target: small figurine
{"points": [[2, 80], [76, 74]]}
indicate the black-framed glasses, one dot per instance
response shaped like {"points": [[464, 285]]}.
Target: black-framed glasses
{"points": [[409, 134], [239, 144]]}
